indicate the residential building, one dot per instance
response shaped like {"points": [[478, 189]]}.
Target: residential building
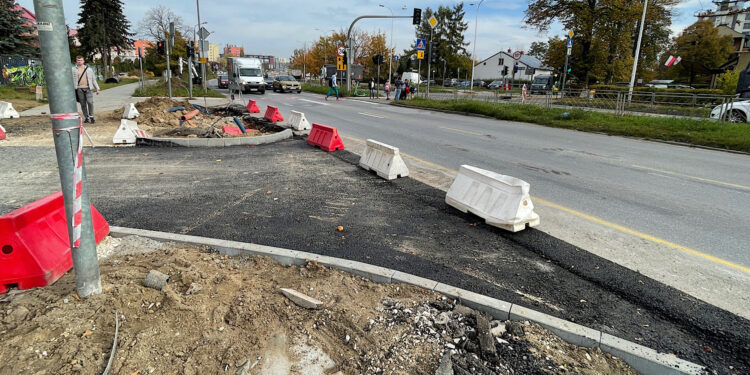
{"points": [[732, 14], [213, 52], [491, 68], [234, 50]]}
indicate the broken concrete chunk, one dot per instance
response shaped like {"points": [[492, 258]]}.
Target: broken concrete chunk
{"points": [[463, 310], [486, 340], [156, 280], [498, 328], [301, 299], [514, 328], [193, 289], [446, 365]]}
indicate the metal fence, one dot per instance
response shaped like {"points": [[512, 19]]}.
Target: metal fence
{"points": [[695, 106]]}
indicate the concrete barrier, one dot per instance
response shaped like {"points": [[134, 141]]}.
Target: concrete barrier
{"points": [[502, 201], [299, 122], [7, 110], [128, 132], [130, 112], [383, 159], [2, 133]]}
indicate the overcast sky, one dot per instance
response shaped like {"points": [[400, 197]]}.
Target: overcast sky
{"points": [[277, 27]]}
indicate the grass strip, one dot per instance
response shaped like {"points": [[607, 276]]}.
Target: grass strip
{"points": [[179, 89], [706, 132]]}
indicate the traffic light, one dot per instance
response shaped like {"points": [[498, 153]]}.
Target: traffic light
{"points": [[570, 69], [346, 60], [160, 47], [434, 51], [377, 59], [190, 49], [417, 17]]}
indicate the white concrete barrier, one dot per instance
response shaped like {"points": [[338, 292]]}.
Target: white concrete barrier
{"points": [[299, 122], [7, 110], [383, 159], [128, 132], [502, 201], [130, 112]]}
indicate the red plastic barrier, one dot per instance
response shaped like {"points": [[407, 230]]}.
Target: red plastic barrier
{"points": [[2, 133], [34, 243], [327, 137], [231, 130], [252, 107], [273, 114]]}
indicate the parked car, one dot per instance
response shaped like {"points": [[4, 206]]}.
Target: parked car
{"points": [[465, 84], [732, 112], [494, 85], [478, 83], [286, 83], [223, 81], [451, 82]]}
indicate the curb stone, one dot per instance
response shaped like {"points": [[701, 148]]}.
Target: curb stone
{"points": [[643, 359], [218, 142]]}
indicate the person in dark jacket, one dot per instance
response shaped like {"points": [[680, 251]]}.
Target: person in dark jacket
{"points": [[371, 86]]}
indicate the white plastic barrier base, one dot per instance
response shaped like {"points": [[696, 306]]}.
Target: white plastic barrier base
{"points": [[128, 132], [502, 201], [383, 159], [130, 112], [299, 122], [7, 111]]}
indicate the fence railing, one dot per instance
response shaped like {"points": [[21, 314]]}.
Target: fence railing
{"points": [[697, 106]]}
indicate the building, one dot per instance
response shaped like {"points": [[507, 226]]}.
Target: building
{"points": [[213, 52], [491, 68], [143, 45], [732, 14], [234, 50]]}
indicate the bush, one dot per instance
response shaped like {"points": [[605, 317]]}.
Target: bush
{"points": [[652, 89]]}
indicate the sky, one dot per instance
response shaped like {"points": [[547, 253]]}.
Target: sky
{"points": [[278, 27]]}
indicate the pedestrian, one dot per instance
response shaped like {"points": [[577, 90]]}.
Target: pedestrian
{"points": [[397, 95], [413, 90], [333, 87], [405, 93], [84, 81], [388, 90], [371, 86]]}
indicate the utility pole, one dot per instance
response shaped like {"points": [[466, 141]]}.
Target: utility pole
{"points": [[140, 63], [637, 52], [169, 69], [67, 134], [429, 65], [190, 69], [474, 54], [203, 52], [567, 55], [349, 46]]}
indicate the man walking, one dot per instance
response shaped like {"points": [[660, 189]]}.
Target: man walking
{"points": [[333, 87], [84, 81], [397, 94], [371, 86]]}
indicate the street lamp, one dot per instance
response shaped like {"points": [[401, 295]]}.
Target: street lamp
{"points": [[390, 60], [474, 54]]}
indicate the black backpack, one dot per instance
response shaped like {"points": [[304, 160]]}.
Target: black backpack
{"points": [[330, 82]]}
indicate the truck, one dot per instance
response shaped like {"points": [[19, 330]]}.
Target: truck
{"points": [[541, 84], [245, 75]]}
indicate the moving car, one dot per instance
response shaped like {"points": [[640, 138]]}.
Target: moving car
{"points": [[494, 85], [269, 83], [542, 84], [732, 112], [245, 74], [286, 83], [223, 81]]}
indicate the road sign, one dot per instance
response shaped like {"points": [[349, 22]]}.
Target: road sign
{"points": [[395, 57], [204, 33], [521, 68], [340, 63], [420, 54], [204, 60], [341, 51], [433, 22], [570, 33], [421, 44], [570, 43], [517, 55]]}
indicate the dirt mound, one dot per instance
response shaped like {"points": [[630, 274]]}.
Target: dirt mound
{"points": [[227, 315]]}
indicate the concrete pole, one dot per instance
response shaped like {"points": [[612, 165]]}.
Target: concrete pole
{"points": [[390, 60], [474, 54], [168, 46], [203, 52], [637, 52], [429, 65], [53, 40]]}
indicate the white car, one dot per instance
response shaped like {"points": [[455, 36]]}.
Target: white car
{"points": [[732, 112]]}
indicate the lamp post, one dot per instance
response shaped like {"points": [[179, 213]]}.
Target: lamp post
{"points": [[390, 60], [637, 52], [203, 52], [190, 63], [474, 54]]}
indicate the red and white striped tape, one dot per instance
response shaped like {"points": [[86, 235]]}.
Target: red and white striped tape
{"points": [[77, 172]]}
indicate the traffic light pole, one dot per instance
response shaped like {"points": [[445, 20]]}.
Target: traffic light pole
{"points": [[350, 57], [169, 69], [190, 74], [429, 66], [565, 72]]}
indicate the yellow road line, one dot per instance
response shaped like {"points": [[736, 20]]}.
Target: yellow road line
{"points": [[743, 187], [605, 223], [462, 131]]}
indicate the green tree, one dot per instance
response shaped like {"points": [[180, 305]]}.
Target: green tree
{"points": [[729, 81], [104, 28], [449, 31], [538, 50], [156, 63], [702, 49], [16, 36]]}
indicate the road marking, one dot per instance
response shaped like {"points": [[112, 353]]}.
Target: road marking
{"points": [[605, 223], [743, 187], [313, 101], [371, 115], [462, 131]]}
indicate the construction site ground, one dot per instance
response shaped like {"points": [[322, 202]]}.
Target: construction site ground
{"points": [[294, 196], [218, 314]]}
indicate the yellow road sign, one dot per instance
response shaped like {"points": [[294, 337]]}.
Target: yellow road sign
{"points": [[204, 60], [340, 63], [433, 21], [420, 55]]}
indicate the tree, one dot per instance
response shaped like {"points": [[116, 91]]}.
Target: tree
{"points": [[449, 31], [16, 35], [538, 50], [702, 49], [729, 81], [104, 27], [157, 63], [156, 21]]}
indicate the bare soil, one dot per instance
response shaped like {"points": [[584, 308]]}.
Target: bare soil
{"points": [[226, 315]]}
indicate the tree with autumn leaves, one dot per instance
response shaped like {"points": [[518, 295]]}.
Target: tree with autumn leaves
{"points": [[365, 45]]}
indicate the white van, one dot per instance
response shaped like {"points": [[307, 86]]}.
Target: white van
{"points": [[245, 74], [412, 77]]}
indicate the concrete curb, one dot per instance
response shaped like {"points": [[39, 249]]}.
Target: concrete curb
{"points": [[645, 360], [217, 142]]}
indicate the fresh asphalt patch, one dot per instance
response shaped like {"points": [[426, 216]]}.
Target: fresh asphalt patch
{"points": [[294, 196]]}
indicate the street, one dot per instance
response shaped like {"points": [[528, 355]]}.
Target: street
{"points": [[672, 212]]}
